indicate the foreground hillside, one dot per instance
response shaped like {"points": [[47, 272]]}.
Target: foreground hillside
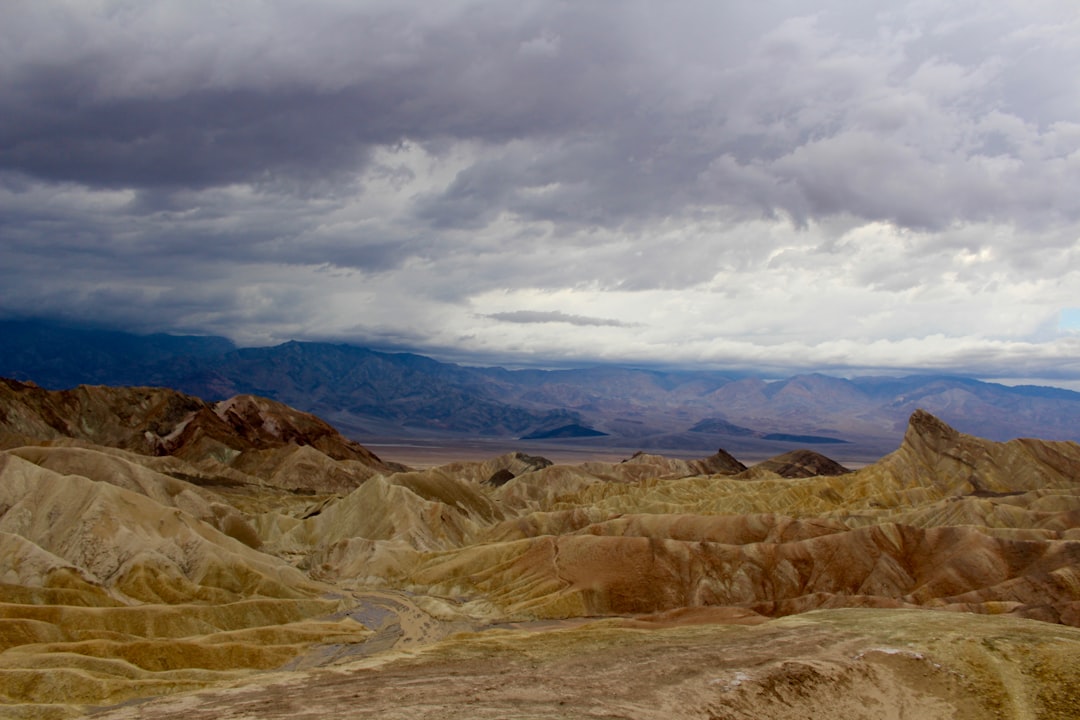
{"points": [[152, 544]]}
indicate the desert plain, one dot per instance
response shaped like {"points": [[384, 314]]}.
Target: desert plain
{"points": [[166, 557]]}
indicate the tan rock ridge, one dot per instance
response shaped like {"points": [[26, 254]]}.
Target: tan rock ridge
{"points": [[256, 436], [802, 463], [151, 543]]}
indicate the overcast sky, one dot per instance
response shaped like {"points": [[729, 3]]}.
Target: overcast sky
{"points": [[840, 185]]}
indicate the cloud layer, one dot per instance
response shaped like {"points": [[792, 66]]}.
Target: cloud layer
{"points": [[844, 186]]}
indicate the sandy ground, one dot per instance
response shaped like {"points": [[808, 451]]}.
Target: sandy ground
{"points": [[424, 455], [420, 454], [849, 664]]}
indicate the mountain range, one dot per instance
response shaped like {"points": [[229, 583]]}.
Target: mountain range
{"points": [[373, 395]]}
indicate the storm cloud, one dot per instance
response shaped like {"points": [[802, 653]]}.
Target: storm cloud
{"points": [[835, 184]]}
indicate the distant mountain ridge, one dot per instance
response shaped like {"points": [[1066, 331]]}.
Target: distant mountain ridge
{"points": [[368, 394], [61, 357]]}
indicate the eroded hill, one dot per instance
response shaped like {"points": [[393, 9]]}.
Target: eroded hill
{"points": [[151, 543]]}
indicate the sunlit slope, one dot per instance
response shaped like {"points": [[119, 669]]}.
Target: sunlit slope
{"points": [[282, 447], [947, 520], [106, 593], [854, 664]]}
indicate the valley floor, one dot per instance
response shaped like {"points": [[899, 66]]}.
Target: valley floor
{"points": [[433, 453]]}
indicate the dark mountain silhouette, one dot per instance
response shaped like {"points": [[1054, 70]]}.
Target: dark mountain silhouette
{"points": [[565, 431], [368, 394], [60, 357], [719, 426], [802, 439]]}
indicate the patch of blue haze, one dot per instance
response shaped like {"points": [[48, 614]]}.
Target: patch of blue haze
{"points": [[1069, 320]]}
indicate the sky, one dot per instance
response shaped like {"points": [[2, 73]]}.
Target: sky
{"points": [[846, 186]]}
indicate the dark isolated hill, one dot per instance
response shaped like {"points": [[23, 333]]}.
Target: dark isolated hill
{"points": [[719, 426], [566, 431], [375, 394]]}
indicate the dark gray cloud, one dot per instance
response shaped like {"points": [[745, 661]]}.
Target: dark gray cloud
{"points": [[293, 95], [712, 181], [621, 110]]}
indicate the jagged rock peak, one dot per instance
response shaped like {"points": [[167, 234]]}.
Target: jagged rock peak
{"points": [[509, 466], [929, 439], [721, 462], [929, 429], [535, 462]]}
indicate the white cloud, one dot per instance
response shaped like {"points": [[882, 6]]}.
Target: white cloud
{"points": [[871, 185]]}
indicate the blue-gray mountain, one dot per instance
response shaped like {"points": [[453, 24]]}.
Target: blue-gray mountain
{"points": [[368, 394]]}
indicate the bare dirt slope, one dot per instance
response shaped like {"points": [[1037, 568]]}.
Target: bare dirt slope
{"points": [[853, 664], [151, 544]]}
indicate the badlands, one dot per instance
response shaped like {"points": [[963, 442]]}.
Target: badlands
{"points": [[165, 557]]}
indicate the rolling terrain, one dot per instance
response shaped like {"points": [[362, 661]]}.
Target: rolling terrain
{"points": [[162, 556]]}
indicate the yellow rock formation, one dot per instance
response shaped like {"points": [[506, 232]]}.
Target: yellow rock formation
{"points": [[151, 543]]}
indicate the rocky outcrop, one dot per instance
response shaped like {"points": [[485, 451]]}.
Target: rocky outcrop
{"points": [[937, 457], [643, 465], [801, 464], [255, 435], [506, 467]]}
